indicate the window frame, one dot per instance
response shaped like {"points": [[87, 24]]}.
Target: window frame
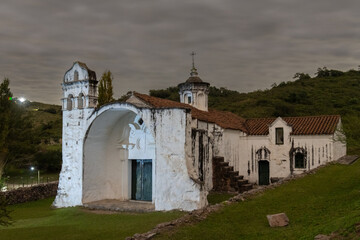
{"points": [[303, 165], [279, 139]]}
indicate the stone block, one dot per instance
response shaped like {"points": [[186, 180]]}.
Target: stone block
{"points": [[278, 220]]}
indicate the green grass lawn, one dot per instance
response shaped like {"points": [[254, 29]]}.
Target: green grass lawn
{"points": [[321, 203], [214, 197], [35, 220]]}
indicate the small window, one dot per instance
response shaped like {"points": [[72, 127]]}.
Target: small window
{"points": [[189, 99], [81, 101], [279, 132], [69, 103], [76, 76], [299, 160]]}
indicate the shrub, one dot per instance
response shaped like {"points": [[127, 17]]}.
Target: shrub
{"points": [[5, 219]]}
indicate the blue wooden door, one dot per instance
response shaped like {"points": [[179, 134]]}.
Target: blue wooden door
{"points": [[141, 183]]}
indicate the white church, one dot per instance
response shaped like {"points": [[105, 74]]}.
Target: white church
{"points": [[171, 154]]}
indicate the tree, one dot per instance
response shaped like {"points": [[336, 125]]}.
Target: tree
{"points": [[301, 76], [5, 109], [105, 89]]}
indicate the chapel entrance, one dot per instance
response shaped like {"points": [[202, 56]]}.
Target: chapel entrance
{"points": [[119, 152], [141, 180], [264, 172]]}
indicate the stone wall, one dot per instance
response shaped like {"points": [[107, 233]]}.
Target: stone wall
{"points": [[27, 194]]}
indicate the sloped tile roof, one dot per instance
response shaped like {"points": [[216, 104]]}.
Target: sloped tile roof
{"points": [[226, 120], [312, 125]]}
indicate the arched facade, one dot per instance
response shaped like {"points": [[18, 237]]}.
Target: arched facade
{"points": [[116, 146], [103, 149]]}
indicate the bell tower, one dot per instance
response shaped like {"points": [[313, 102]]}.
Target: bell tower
{"points": [[79, 88], [78, 103], [194, 91]]}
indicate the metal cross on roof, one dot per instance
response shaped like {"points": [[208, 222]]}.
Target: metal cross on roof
{"points": [[193, 58]]}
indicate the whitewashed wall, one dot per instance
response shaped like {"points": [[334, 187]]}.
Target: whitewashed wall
{"points": [[112, 142], [70, 180], [175, 189], [240, 150]]}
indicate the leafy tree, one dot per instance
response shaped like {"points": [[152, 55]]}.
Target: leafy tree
{"points": [[171, 93], [5, 109], [322, 72], [105, 89], [49, 161], [301, 76], [13, 121]]}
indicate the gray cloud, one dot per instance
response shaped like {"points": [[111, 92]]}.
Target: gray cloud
{"points": [[241, 45]]}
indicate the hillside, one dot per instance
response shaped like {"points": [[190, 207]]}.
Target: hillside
{"points": [[331, 92], [39, 143]]}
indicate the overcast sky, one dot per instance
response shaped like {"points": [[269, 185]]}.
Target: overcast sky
{"points": [[240, 45]]}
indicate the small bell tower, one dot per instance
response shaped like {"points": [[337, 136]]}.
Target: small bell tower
{"points": [[79, 88], [78, 103], [194, 91]]}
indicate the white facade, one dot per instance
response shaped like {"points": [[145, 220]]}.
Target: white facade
{"points": [[244, 152], [101, 147]]}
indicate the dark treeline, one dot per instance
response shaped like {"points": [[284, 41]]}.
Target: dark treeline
{"points": [[30, 133]]}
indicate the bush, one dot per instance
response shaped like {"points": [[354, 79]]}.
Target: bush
{"points": [[49, 161], [5, 219]]}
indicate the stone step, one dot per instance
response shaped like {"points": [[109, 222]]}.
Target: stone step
{"points": [[218, 159], [223, 164], [228, 168], [237, 177], [246, 187], [234, 173], [242, 182]]}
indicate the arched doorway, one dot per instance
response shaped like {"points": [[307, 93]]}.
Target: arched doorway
{"points": [[263, 159], [115, 142], [264, 172]]}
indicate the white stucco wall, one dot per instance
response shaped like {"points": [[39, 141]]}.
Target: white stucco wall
{"points": [[240, 150], [70, 180], [175, 189], [102, 170]]}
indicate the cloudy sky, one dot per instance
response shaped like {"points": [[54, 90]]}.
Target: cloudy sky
{"points": [[241, 45]]}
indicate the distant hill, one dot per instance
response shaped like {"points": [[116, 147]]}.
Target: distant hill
{"points": [[36, 137], [331, 92]]}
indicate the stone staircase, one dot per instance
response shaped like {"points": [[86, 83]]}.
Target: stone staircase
{"points": [[225, 179]]}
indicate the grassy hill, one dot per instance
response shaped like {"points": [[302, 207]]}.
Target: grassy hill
{"points": [[39, 143], [331, 92]]}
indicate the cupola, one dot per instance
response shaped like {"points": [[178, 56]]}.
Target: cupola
{"points": [[194, 91]]}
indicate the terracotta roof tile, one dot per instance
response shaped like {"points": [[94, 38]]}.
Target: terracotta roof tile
{"points": [[312, 125], [226, 120]]}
